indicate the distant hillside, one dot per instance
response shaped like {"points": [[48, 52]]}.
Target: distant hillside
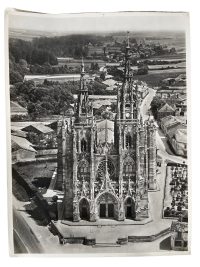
{"points": [[29, 35], [46, 49]]}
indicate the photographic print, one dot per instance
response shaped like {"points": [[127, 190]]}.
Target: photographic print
{"points": [[98, 133]]}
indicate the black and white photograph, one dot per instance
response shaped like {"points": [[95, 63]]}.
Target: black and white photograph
{"points": [[97, 123]]}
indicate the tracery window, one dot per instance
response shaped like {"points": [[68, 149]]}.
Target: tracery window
{"points": [[129, 167], [83, 168], [102, 168]]}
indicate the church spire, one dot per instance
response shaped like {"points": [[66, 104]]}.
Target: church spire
{"points": [[82, 105], [127, 74], [128, 46], [82, 68]]}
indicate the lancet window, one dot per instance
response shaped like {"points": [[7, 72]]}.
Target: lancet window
{"points": [[83, 145], [128, 141]]}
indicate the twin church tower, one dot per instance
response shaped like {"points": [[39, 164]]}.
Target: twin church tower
{"points": [[107, 179]]}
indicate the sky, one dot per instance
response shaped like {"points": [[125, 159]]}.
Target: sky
{"points": [[98, 22]]}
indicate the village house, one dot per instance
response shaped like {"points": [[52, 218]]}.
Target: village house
{"points": [[22, 149], [110, 82], [175, 128], [168, 92], [169, 122], [113, 64], [95, 50], [178, 100], [19, 133], [178, 140], [40, 134], [182, 106], [178, 81], [165, 111]]}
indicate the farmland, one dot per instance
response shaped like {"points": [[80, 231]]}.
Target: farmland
{"points": [[154, 78]]}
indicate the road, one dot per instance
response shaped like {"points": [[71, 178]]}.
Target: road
{"points": [[146, 103], [25, 240]]}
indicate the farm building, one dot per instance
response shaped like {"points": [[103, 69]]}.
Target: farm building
{"points": [[22, 149]]}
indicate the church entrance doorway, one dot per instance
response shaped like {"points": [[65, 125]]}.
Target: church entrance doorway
{"points": [[110, 210], [106, 206], [106, 210], [129, 208], [128, 212], [102, 210], [84, 209]]}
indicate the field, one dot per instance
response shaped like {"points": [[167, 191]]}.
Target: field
{"points": [[167, 71], [154, 78], [77, 63], [170, 66], [177, 56]]}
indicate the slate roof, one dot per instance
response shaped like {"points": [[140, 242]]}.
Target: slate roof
{"points": [[40, 127], [16, 108], [173, 129], [98, 104], [169, 120], [181, 136], [173, 124], [22, 143], [18, 133], [105, 131], [22, 124], [105, 124], [109, 82], [166, 108]]}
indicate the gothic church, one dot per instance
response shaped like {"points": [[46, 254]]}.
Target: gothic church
{"points": [[108, 179]]}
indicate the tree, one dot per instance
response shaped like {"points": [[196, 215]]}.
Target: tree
{"points": [[156, 104], [116, 73], [15, 77], [103, 76], [142, 69], [172, 50], [32, 110], [23, 63]]}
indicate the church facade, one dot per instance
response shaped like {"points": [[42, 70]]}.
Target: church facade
{"points": [[104, 178]]}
